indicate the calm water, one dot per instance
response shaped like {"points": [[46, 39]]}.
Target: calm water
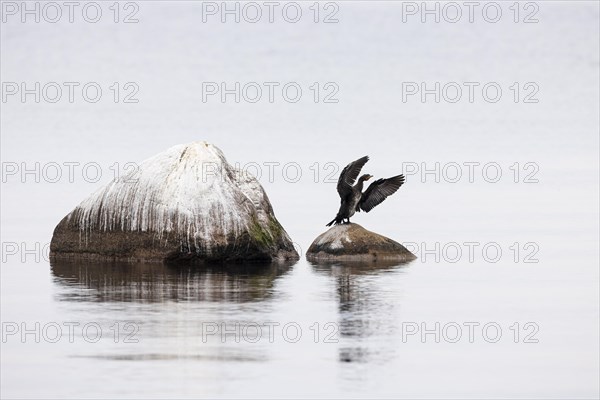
{"points": [[300, 330], [520, 319]]}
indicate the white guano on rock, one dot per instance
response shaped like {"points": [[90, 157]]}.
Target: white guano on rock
{"points": [[184, 203]]}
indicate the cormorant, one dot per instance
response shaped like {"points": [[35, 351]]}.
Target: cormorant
{"points": [[353, 198]]}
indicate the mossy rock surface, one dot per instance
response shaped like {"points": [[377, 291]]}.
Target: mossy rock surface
{"points": [[352, 242]]}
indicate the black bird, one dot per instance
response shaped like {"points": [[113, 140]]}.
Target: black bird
{"points": [[353, 198]]}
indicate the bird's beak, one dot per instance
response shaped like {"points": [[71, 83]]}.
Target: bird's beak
{"points": [[370, 176]]}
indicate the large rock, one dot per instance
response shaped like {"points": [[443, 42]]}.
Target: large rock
{"points": [[186, 204], [352, 242]]}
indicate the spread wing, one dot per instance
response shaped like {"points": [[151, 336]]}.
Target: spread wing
{"points": [[348, 176], [378, 191]]}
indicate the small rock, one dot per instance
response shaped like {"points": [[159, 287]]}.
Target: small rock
{"points": [[352, 242], [184, 205]]}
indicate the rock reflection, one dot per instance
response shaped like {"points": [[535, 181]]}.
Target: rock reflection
{"points": [[226, 356], [143, 282], [342, 268], [366, 306]]}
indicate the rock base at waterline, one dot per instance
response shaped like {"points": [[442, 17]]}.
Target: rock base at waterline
{"points": [[352, 242]]}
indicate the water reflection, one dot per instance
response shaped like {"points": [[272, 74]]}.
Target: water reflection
{"points": [[366, 306], [143, 282], [219, 355], [170, 307], [343, 268]]}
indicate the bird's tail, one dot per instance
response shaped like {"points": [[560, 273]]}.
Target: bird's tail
{"points": [[336, 221]]}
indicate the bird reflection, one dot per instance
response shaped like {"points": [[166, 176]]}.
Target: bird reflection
{"points": [[144, 282], [365, 309]]}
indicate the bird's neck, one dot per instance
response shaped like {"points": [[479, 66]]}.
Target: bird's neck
{"points": [[359, 184]]}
